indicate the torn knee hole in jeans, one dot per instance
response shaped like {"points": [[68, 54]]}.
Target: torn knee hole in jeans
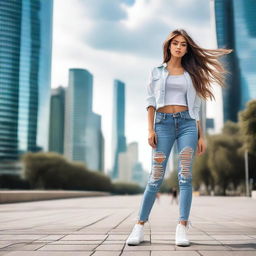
{"points": [[158, 169], [185, 161]]}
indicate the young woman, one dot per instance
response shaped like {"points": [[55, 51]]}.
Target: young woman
{"points": [[174, 95]]}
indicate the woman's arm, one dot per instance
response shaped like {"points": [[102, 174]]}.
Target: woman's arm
{"points": [[151, 115], [200, 130], [201, 146], [152, 139]]}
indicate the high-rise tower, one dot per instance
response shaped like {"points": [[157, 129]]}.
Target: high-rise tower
{"points": [[118, 135], [25, 70]]}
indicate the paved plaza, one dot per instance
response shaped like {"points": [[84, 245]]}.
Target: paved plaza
{"points": [[99, 226]]}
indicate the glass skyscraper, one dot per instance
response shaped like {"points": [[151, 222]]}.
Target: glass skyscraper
{"points": [[57, 120], [94, 143], [236, 29], [83, 139], [78, 106], [118, 135], [25, 69]]}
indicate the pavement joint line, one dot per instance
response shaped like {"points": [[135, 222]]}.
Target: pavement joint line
{"points": [[93, 223], [42, 246], [121, 252], [3, 248], [122, 220], [107, 235], [119, 225], [47, 243], [150, 233], [94, 249]]}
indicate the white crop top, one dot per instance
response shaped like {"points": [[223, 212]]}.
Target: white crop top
{"points": [[175, 91]]}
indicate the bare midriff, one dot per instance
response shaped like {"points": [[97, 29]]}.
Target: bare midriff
{"points": [[172, 108]]}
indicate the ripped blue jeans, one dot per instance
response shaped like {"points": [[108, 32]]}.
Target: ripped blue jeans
{"points": [[170, 127]]}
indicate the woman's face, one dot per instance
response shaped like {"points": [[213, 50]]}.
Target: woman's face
{"points": [[178, 46]]}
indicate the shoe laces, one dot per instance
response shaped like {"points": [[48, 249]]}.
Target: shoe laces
{"points": [[189, 224], [137, 227]]}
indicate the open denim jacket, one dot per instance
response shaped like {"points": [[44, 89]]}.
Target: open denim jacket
{"points": [[156, 91]]}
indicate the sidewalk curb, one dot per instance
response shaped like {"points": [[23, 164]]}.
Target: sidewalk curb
{"points": [[14, 196]]}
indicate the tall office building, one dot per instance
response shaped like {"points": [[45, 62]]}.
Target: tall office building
{"points": [[126, 162], [236, 29], [94, 143], [78, 108], [57, 117], [83, 139], [129, 167], [245, 36], [25, 69], [118, 131], [139, 176]]}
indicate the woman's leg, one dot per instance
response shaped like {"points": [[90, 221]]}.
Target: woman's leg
{"points": [[160, 154], [187, 144]]}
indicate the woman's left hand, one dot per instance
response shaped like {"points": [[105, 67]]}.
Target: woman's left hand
{"points": [[201, 146]]}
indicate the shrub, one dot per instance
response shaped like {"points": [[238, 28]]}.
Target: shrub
{"points": [[11, 181], [126, 188], [52, 171]]}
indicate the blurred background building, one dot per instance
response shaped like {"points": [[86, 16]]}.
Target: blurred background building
{"points": [[57, 120], [118, 129], [94, 157], [78, 107], [129, 167], [83, 140], [236, 29], [25, 72]]}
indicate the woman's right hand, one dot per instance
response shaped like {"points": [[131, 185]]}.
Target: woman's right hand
{"points": [[152, 139]]}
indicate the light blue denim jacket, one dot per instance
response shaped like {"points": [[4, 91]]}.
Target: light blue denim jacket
{"points": [[156, 91]]}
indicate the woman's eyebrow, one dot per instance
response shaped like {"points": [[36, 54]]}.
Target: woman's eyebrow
{"points": [[178, 41]]}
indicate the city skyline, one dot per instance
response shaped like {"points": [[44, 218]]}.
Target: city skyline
{"points": [[119, 53]]}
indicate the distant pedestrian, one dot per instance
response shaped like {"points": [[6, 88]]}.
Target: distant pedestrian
{"points": [[174, 195]]}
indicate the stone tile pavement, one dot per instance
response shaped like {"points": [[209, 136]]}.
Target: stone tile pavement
{"points": [[99, 226]]}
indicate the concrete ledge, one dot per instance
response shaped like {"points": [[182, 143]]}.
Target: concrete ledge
{"points": [[13, 196]]}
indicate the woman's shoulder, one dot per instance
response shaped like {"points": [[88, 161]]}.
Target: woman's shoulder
{"points": [[156, 70], [160, 66]]}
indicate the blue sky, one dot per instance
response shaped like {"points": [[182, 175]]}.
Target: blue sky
{"points": [[122, 39]]}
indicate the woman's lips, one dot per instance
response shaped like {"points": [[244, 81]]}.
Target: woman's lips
{"points": [[178, 51]]}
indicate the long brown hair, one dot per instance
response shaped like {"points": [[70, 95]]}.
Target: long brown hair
{"points": [[202, 64]]}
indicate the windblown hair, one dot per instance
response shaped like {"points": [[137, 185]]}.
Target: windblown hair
{"points": [[202, 64]]}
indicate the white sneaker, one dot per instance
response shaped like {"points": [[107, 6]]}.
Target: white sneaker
{"points": [[136, 236], [181, 237]]}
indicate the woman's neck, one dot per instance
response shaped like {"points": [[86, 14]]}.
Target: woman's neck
{"points": [[174, 63]]}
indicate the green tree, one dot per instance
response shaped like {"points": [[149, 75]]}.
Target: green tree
{"points": [[202, 172], [225, 160], [247, 122]]}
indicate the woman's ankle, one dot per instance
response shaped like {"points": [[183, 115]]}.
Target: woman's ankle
{"points": [[183, 222], [140, 222]]}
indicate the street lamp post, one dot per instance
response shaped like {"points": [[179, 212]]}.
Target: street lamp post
{"points": [[246, 172]]}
